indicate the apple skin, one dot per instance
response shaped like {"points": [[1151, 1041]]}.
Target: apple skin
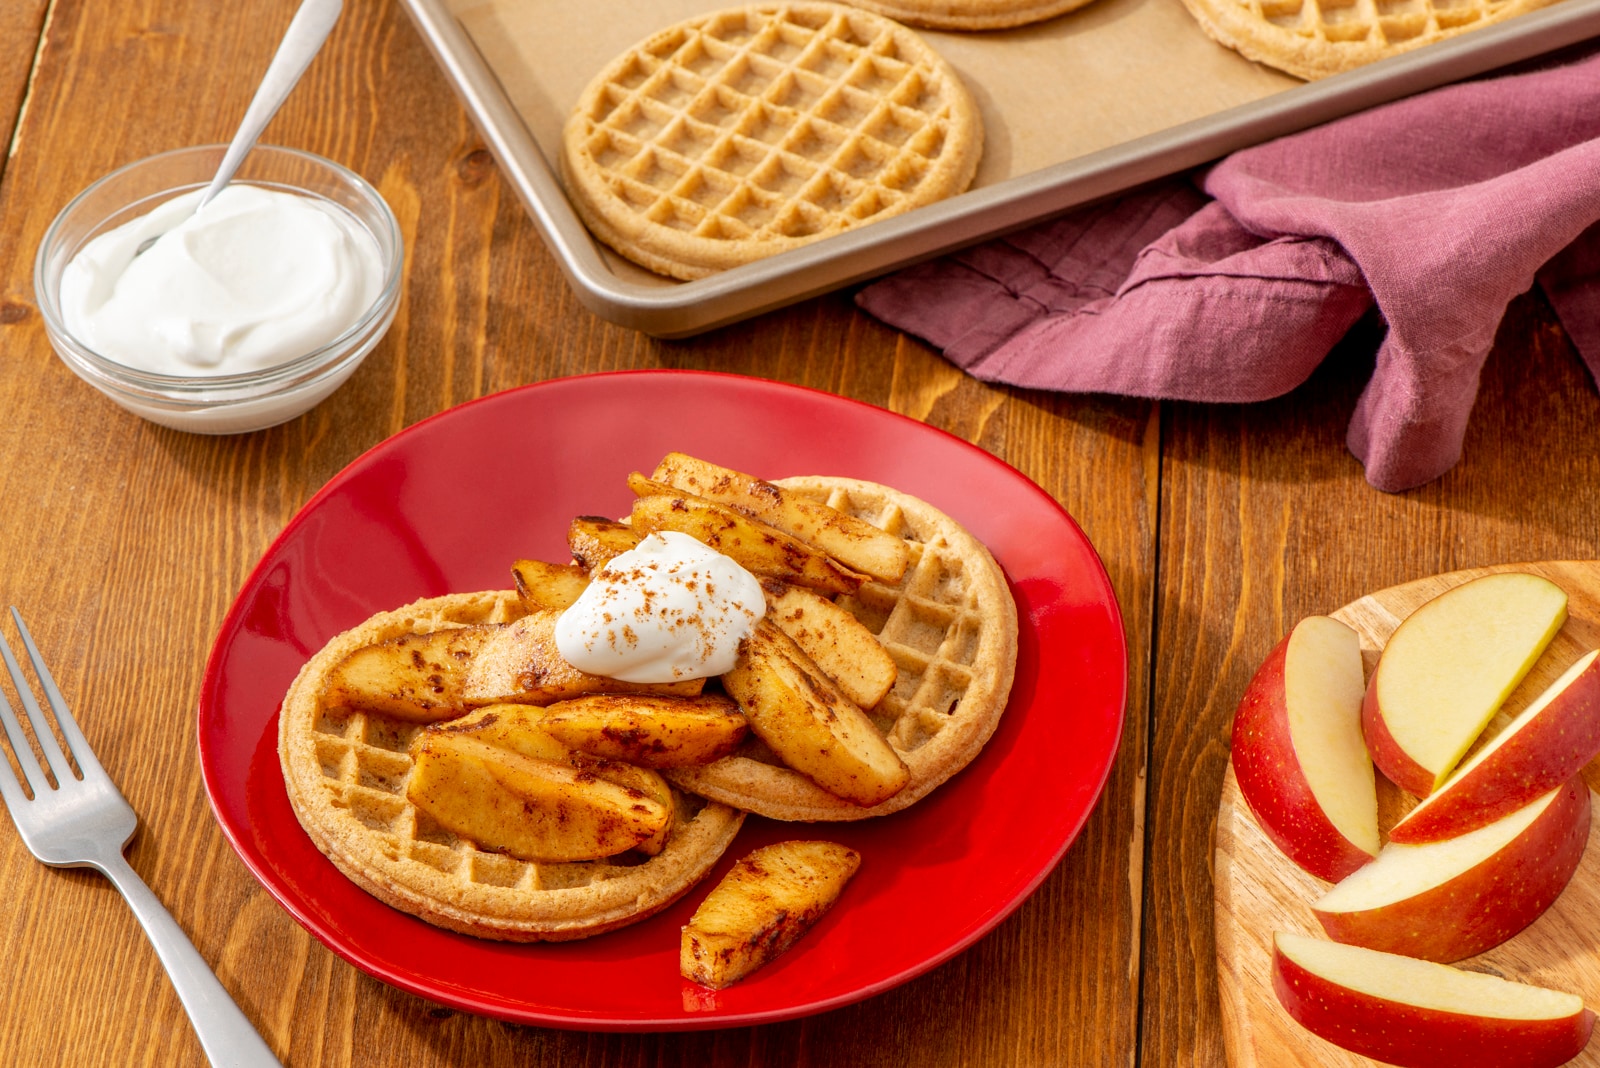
{"points": [[1413, 1036], [1395, 763], [1449, 629], [1549, 749], [1274, 784], [1487, 903]]}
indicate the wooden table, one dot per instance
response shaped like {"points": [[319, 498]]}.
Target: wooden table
{"points": [[125, 542]]}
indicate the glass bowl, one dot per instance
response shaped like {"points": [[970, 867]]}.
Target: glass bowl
{"points": [[225, 403]]}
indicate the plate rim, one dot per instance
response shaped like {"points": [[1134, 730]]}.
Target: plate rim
{"points": [[486, 1004]]}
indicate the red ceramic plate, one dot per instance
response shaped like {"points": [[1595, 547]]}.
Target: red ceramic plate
{"points": [[449, 503]]}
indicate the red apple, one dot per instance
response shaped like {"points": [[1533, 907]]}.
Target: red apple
{"points": [[1547, 744], [1447, 668], [1420, 1015], [1298, 754], [1447, 900]]}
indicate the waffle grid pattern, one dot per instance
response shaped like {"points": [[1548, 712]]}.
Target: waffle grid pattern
{"points": [[752, 130], [1382, 22], [1315, 38], [930, 624], [365, 763]]}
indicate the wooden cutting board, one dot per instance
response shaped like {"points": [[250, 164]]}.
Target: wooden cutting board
{"points": [[1259, 891]]}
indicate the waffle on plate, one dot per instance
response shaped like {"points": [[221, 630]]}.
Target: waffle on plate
{"points": [[922, 609], [950, 625], [346, 774]]}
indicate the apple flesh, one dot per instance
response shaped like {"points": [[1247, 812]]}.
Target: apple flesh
{"points": [[1547, 744], [1447, 668], [1417, 1014], [530, 808], [1443, 901], [1298, 754], [521, 664]]}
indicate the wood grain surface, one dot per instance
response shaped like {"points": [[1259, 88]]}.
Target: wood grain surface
{"points": [[124, 543], [1260, 891], [1265, 519]]}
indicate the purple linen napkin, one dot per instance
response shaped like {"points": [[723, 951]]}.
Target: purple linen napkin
{"points": [[1440, 209]]}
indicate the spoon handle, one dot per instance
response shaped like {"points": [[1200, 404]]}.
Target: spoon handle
{"points": [[309, 28]]}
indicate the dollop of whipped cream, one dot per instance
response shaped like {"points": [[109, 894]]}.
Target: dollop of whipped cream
{"points": [[670, 609], [254, 279]]}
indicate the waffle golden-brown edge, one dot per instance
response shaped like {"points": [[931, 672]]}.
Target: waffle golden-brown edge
{"points": [[345, 772], [964, 15]]}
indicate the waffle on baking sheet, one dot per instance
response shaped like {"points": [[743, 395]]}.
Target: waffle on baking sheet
{"points": [[1315, 38], [914, 633], [736, 135]]}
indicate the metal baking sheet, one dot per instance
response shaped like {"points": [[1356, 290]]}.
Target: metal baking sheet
{"points": [[1119, 131]]}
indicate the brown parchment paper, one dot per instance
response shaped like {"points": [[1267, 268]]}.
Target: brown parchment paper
{"points": [[1051, 92]]}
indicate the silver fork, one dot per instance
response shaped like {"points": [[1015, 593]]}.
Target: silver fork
{"points": [[86, 823]]}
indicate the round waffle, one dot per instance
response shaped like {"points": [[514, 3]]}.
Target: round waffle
{"points": [[736, 135], [1315, 38], [969, 14], [951, 626], [346, 773]]}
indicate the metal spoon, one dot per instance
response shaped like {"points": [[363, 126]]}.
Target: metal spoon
{"points": [[301, 42]]}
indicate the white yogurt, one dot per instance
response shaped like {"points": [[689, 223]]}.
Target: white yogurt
{"points": [[673, 608], [256, 279]]}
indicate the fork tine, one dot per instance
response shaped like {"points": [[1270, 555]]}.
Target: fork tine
{"points": [[10, 789], [31, 771], [77, 744], [41, 729]]}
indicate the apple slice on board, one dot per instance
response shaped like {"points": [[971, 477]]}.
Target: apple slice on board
{"points": [[1444, 901], [1447, 669], [1298, 753], [1257, 890], [1548, 743], [1417, 1014]]}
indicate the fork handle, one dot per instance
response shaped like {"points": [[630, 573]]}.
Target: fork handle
{"points": [[312, 23], [225, 1033]]}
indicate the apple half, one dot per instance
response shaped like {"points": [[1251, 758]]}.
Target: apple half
{"points": [[1298, 754], [1418, 1014], [1446, 900], [1447, 668], [1548, 743]]}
